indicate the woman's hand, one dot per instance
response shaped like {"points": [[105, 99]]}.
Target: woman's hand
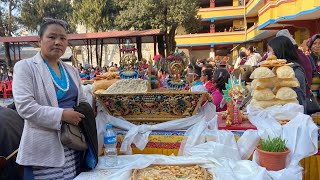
{"points": [[71, 117]]}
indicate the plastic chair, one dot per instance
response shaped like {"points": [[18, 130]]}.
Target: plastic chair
{"points": [[1, 89], [8, 89], [4, 160]]}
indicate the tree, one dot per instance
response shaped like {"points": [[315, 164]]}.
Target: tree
{"points": [[166, 15], [33, 11], [8, 23], [97, 15]]}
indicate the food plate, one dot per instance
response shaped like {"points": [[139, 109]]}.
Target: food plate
{"points": [[172, 172]]}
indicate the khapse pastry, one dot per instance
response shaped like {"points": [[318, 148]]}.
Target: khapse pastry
{"points": [[172, 172]]}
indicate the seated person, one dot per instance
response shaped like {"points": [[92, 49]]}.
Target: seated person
{"points": [[219, 79], [83, 74], [197, 85], [11, 126], [92, 74], [206, 79]]}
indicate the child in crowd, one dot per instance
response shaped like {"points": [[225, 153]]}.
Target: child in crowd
{"points": [[220, 78], [206, 79]]}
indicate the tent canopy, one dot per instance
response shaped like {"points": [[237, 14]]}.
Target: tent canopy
{"points": [[111, 37]]}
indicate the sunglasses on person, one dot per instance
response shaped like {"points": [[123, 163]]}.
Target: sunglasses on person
{"points": [[57, 21]]}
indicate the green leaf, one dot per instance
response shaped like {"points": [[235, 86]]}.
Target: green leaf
{"points": [[273, 145]]}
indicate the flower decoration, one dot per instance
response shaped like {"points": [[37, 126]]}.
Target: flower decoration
{"points": [[235, 89], [157, 57]]}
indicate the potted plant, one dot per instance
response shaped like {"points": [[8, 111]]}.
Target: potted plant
{"points": [[272, 153]]}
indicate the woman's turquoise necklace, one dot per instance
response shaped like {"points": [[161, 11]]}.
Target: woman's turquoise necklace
{"points": [[63, 83]]}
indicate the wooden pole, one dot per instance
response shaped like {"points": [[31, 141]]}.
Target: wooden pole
{"points": [[149, 74], [14, 54], [138, 42], [161, 48], [101, 50], [88, 51], [19, 51], [97, 56], [154, 45], [120, 48]]}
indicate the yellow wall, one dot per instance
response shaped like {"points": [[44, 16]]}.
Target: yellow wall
{"points": [[252, 5], [238, 23], [265, 14], [300, 35], [297, 36], [203, 54], [285, 9], [208, 13], [235, 3], [217, 38]]}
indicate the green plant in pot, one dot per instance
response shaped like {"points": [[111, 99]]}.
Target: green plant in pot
{"points": [[272, 153]]}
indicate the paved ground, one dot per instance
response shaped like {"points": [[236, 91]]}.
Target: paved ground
{"points": [[5, 102]]}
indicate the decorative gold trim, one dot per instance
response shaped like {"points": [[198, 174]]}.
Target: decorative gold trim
{"points": [[153, 106]]}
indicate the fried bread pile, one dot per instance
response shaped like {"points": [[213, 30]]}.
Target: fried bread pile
{"points": [[273, 86]]}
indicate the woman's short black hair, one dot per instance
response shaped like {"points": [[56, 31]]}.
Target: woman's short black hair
{"points": [[197, 72], [207, 72], [251, 49], [48, 21], [284, 49], [220, 78]]}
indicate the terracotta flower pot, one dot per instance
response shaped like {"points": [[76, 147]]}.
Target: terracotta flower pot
{"points": [[273, 161]]}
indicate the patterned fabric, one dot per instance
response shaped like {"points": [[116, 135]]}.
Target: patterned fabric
{"points": [[69, 170]]}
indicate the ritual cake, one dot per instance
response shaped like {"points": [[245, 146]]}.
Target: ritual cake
{"points": [[273, 86], [272, 61]]}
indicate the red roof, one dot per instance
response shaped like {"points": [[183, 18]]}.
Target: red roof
{"points": [[111, 37]]}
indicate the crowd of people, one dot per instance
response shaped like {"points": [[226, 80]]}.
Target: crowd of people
{"points": [[211, 75], [88, 72]]}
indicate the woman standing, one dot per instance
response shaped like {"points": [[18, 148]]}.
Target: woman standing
{"points": [[45, 90], [314, 47], [283, 48]]}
